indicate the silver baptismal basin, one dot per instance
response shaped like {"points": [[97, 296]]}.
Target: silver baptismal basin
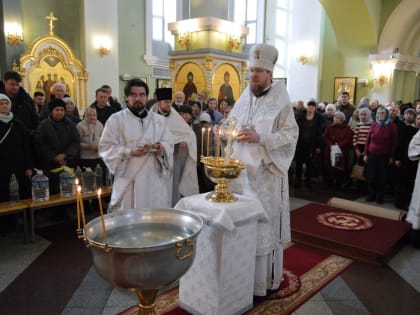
{"points": [[145, 249]]}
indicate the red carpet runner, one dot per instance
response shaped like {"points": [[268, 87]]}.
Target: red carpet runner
{"points": [[375, 245], [308, 271]]}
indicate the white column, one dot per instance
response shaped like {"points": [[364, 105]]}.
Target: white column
{"points": [[100, 18]]}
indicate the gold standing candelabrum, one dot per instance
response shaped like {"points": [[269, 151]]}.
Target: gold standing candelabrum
{"points": [[221, 169]]}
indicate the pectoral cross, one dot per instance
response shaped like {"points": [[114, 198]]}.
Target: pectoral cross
{"points": [[52, 18]]}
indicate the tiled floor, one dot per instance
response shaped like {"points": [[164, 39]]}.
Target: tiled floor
{"points": [[95, 296]]}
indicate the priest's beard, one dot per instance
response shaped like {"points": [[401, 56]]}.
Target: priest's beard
{"points": [[138, 109]]}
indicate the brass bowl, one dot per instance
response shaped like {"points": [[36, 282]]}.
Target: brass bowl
{"points": [[146, 249], [222, 171]]}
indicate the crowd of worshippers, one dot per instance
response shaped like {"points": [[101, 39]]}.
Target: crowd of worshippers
{"points": [[371, 135], [47, 135], [36, 133]]}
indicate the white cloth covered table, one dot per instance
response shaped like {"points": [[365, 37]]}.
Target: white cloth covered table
{"points": [[221, 278]]}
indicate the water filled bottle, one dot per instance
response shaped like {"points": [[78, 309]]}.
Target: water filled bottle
{"points": [[67, 187], [88, 181], [98, 173], [78, 174], [13, 189], [40, 187], [108, 178]]}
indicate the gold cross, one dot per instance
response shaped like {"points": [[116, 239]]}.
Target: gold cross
{"points": [[52, 18]]}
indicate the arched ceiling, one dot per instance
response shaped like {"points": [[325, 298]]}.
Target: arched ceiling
{"points": [[354, 24], [402, 29]]}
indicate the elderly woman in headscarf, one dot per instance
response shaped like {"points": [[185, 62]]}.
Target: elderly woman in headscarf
{"points": [[90, 130], [379, 154], [71, 110], [15, 151], [338, 133], [15, 157]]}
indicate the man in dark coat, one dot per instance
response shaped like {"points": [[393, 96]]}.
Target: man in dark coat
{"points": [[23, 107]]}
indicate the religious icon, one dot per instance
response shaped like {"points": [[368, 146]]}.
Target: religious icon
{"points": [[225, 90], [190, 79]]}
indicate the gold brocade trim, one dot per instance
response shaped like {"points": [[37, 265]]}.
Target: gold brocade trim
{"points": [[312, 281]]}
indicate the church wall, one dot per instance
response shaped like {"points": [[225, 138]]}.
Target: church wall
{"points": [[132, 31], [101, 19], [303, 79], [67, 26]]}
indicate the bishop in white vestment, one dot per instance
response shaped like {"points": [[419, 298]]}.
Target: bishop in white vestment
{"points": [[141, 171], [413, 215], [266, 142]]}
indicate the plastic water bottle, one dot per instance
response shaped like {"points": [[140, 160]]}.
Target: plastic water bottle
{"points": [[88, 181], [40, 187], [98, 173], [78, 174], [108, 178], [67, 188], [13, 189]]}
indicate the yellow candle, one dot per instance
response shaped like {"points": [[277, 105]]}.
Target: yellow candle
{"points": [[219, 136], [82, 212], [102, 215], [208, 140], [202, 141], [78, 204]]}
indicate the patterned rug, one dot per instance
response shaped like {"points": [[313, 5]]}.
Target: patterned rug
{"points": [[306, 271]]}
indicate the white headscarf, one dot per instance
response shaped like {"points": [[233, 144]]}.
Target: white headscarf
{"points": [[6, 118]]}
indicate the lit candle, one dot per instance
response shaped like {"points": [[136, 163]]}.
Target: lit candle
{"points": [[202, 141], [82, 211], [102, 215], [219, 136], [78, 203], [208, 140]]}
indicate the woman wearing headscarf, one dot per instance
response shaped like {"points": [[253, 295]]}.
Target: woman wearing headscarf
{"points": [[379, 154], [90, 130], [338, 133], [57, 142], [15, 157], [15, 151]]}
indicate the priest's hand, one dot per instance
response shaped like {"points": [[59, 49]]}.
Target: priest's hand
{"points": [[248, 135], [139, 151], [159, 149]]}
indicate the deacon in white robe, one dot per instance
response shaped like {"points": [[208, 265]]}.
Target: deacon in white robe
{"points": [[141, 172], [184, 175], [413, 215], [266, 142]]}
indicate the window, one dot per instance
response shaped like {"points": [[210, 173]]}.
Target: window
{"points": [[251, 14], [159, 41]]}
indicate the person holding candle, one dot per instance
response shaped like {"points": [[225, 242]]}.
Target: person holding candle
{"points": [[137, 147], [184, 176], [266, 142]]}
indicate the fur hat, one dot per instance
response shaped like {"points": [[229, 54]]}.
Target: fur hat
{"points": [[263, 56], [55, 103], [164, 94]]}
